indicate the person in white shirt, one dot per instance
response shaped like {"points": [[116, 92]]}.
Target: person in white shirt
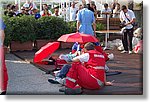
{"points": [[106, 11], [127, 16], [26, 4], [73, 11]]}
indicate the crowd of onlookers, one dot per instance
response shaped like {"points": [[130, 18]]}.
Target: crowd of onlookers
{"points": [[69, 11]]}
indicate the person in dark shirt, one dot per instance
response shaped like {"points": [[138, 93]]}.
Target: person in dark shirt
{"points": [[92, 7]]}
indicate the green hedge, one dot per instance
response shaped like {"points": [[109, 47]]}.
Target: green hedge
{"points": [[100, 26], [27, 28], [20, 29], [51, 28]]}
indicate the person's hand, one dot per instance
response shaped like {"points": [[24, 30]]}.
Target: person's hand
{"points": [[94, 33], [69, 62], [109, 83], [128, 23], [77, 30]]}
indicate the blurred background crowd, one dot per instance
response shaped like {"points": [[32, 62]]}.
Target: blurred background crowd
{"points": [[65, 8]]}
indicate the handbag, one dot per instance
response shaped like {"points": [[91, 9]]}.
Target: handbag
{"points": [[122, 24]]}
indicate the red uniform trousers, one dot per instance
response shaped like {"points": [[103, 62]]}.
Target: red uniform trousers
{"points": [[84, 77], [3, 73]]}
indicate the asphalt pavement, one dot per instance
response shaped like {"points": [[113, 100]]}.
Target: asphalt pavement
{"points": [[25, 78]]}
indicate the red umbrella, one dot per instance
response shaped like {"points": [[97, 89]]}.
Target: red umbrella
{"points": [[77, 37], [45, 51]]}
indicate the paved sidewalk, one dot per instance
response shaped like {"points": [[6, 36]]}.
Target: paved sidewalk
{"points": [[24, 78]]}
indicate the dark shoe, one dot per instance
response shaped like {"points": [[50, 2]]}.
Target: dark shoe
{"points": [[3, 93], [74, 91], [53, 81], [62, 89]]}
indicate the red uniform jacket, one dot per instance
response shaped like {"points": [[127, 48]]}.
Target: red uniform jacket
{"points": [[99, 48], [96, 64]]}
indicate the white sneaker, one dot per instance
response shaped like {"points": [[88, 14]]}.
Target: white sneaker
{"points": [[56, 73], [124, 51], [106, 68], [111, 56], [130, 52], [61, 81]]}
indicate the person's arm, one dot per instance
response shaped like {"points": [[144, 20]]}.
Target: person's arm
{"points": [[2, 36], [106, 12], [108, 83], [94, 24], [131, 22], [120, 16], [94, 28], [49, 11], [82, 58], [132, 15], [78, 25], [75, 60], [78, 20]]}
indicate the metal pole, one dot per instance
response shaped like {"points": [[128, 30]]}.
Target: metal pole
{"points": [[108, 25], [40, 5], [106, 32], [19, 5], [16, 1]]}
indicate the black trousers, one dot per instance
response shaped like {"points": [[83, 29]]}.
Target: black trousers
{"points": [[127, 39]]}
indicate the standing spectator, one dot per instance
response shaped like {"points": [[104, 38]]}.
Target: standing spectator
{"points": [[92, 7], [3, 69], [26, 4], [73, 11], [11, 12], [32, 6], [80, 7], [45, 11], [67, 12], [127, 16], [116, 11], [85, 21], [56, 12], [16, 10], [106, 11], [23, 12], [7, 9], [113, 4], [34, 11]]}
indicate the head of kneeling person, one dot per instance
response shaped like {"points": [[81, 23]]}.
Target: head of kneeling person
{"points": [[88, 46]]}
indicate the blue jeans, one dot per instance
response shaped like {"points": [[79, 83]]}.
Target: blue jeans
{"points": [[63, 72]]}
